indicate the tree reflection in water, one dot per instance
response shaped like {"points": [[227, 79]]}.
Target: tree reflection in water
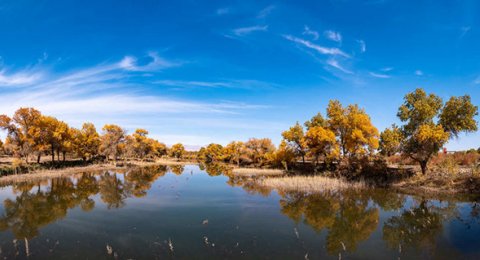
{"points": [[350, 217], [347, 217], [417, 227], [39, 204]]}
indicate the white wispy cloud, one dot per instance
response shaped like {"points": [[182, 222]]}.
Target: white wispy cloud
{"points": [[155, 62], [334, 63], [106, 93], [316, 47], [386, 69], [419, 73], [243, 31], [308, 31], [379, 75], [266, 11], [334, 36], [363, 46], [19, 78], [238, 83]]}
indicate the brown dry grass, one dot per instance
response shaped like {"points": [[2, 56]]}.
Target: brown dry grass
{"points": [[310, 184], [170, 162], [257, 172], [463, 182]]}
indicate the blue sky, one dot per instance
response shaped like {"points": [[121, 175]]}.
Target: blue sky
{"points": [[214, 71]]}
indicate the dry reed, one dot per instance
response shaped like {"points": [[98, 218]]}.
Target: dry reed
{"points": [[168, 162], [257, 172], [310, 184]]}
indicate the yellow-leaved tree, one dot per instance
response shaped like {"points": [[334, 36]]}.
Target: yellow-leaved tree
{"points": [[391, 140], [112, 141], [20, 130], [295, 137], [356, 135], [429, 123], [257, 149], [86, 141], [321, 142], [177, 151], [233, 151]]}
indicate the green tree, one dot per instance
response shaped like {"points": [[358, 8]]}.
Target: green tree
{"points": [[429, 123]]}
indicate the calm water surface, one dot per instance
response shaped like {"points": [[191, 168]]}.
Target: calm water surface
{"points": [[162, 213]]}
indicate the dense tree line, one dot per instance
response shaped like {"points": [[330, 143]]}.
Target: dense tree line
{"points": [[345, 136], [32, 134]]}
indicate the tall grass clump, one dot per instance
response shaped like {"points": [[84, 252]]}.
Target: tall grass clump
{"points": [[311, 184], [257, 172]]}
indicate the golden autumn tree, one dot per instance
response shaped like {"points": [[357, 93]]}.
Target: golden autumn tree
{"points": [[213, 153], [177, 151], [283, 156], [233, 152], [19, 130], [86, 141], [321, 142], [256, 150], [158, 149], [63, 136], [112, 140], [391, 141], [429, 123], [138, 144], [353, 128], [48, 135], [317, 120], [295, 137]]}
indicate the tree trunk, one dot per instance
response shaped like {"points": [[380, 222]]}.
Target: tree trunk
{"points": [[423, 165], [53, 154], [303, 159], [64, 153], [38, 157]]}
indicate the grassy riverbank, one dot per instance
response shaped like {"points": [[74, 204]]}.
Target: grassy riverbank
{"points": [[39, 172]]}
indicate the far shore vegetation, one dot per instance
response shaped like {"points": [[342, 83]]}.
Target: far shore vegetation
{"points": [[340, 147]]}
